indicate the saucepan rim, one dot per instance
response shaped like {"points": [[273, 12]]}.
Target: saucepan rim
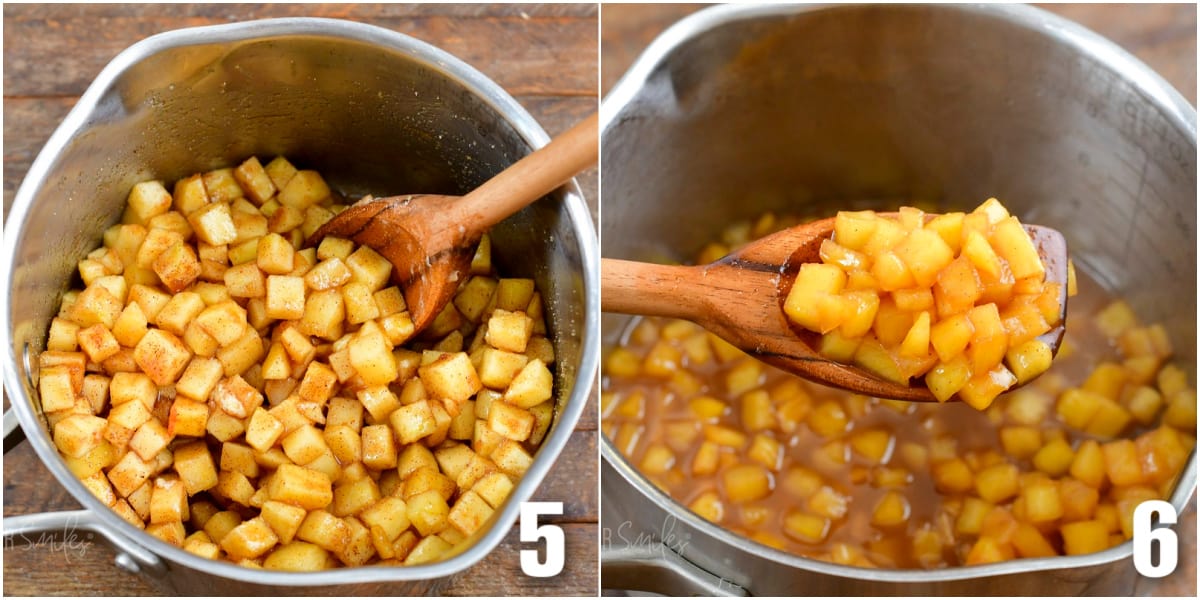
{"points": [[1151, 85], [429, 57]]}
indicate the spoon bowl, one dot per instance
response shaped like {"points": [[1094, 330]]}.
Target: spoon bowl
{"points": [[740, 298], [425, 239], [430, 239]]}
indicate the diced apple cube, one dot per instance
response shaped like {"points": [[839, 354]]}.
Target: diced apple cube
{"points": [[303, 189], [168, 500], [350, 498], [213, 224], [129, 473], [172, 533], [511, 458], [95, 391], [241, 354], [451, 376], [325, 530], [371, 356], [195, 467], [285, 297], [246, 281], [369, 268], [250, 539], [56, 389], [513, 294], [512, 422], [509, 330], [413, 421], [324, 314], [1013, 244], [155, 243], [149, 439], [474, 297], [130, 325], [494, 488], [224, 321], [179, 312], [187, 417], [304, 444], [327, 274], [427, 550], [235, 487], [469, 513], [62, 335], [162, 356], [150, 300], [280, 171], [813, 281], [284, 519], [379, 401], [1084, 537], [360, 302], [235, 397], [297, 556], [428, 512], [221, 185], [177, 266], [379, 446], [98, 342], [275, 255], [199, 378], [190, 194], [983, 388], [957, 288], [344, 411], [263, 430], [95, 305], [78, 435], [283, 219], [300, 486], [254, 180], [147, 200]]}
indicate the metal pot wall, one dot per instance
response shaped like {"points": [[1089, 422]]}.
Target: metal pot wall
{"points": [[372, 110], [737, 110]]}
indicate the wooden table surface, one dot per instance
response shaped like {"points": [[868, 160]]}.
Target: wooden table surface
{"points": [[51, 53], [545, 56], [1163, 36]]}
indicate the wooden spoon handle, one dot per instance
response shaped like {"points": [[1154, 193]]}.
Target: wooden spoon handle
{"points": [[637, 288], [529, 178]]}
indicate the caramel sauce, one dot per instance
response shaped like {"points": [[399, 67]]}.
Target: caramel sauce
{"points": [[918, 434]]}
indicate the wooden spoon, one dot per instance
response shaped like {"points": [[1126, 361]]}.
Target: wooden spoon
{"points": [[430, 239], [740, 298]]}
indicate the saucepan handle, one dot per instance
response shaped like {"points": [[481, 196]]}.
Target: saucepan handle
{"points": [[13, 434], [68, 524], [659, 569], [30, 529]]}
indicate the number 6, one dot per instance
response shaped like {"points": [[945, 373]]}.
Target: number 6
{"points": [[1144, 535], [532, 532]]}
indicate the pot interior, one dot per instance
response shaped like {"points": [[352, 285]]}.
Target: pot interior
{"points": [[870, 106], [370, 118], [797, 110]]}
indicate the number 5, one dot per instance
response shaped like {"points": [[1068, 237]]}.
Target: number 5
{"points": [[532, 532], [1144, 535]]}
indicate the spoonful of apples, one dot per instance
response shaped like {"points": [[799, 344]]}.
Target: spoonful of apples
{"points": [[430, 239], [881, 305]]}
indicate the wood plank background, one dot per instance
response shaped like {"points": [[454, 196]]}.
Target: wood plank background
{"points": [[544, 55], [1161, 35]]}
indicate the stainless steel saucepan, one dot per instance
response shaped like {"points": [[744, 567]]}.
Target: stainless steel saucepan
{"points": [[373, 111], [740, 109]]}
